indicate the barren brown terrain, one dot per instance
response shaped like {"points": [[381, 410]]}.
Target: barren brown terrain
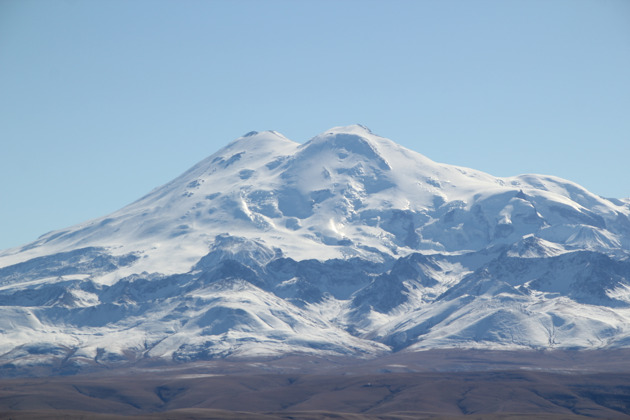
{"points": [[436, 384]]}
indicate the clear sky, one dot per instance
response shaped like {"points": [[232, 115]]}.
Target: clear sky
{"points": [[101, 101]]}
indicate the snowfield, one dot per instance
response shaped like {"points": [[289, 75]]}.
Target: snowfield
{"points": [[348, 244]]}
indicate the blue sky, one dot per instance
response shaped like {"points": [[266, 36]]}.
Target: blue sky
{"points": [[101, 101]]}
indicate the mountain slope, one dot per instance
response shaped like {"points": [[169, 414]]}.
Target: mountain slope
{"points": [[346, 244]]}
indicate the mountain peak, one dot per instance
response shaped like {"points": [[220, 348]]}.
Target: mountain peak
{"points": [[346, 244], [350, 129], [340, 143], [254, 141]]}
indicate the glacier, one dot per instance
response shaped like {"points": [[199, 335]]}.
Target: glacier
{"points": [[348, 244]]}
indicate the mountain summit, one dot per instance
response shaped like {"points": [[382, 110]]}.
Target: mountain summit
{"points": [[346, 244]]}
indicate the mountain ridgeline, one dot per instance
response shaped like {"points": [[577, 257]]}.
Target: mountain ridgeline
{"points": [[348, 244]]}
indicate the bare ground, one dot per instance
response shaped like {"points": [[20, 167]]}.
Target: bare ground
{"points": [[428, 385]]}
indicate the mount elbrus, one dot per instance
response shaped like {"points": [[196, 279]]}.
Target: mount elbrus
{"points": [[348, 244]]}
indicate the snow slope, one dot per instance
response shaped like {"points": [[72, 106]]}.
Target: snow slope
{"points": [[346, 244]]}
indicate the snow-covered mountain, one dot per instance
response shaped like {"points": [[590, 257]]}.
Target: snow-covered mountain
{"points": [[346, 244]]}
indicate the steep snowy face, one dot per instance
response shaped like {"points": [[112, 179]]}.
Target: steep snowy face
{"points": [[346, 244]]}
